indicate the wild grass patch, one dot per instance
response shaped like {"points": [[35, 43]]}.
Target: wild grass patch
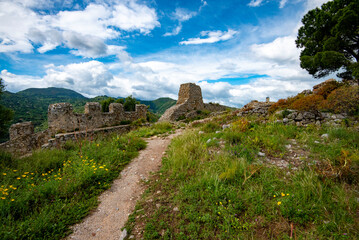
{"points": [[42, 195], [232, 195]]}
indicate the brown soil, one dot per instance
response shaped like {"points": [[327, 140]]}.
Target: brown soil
{"points": [[118, 202]]}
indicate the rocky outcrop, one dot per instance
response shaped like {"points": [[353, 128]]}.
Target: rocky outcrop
{"points": [[256, 108], [302, 118], [189, 104]]}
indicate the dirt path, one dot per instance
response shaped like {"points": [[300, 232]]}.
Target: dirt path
{"points": [[119, 201]]}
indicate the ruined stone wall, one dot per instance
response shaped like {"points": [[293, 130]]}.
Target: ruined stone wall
{"points": [[189, 101], [256, 108], [61, 117]]}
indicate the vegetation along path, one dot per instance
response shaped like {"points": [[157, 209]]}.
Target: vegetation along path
{"points": [[119, 201]]}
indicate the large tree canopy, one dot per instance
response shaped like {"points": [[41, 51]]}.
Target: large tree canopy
{"points": [[330, 39]]}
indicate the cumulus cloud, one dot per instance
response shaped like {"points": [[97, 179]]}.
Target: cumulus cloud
{"points": [[281, 49], [131, 16], [211, 37], [85, 31]]}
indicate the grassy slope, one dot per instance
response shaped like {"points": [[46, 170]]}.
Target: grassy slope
{"points": [[222, 189], [42, 195]]}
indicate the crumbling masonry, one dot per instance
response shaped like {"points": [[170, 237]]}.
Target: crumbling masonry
{"points": [[65, 125], [189, 102]]}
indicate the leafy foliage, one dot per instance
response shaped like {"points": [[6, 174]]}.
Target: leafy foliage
{"points": [[307, 103], [330, 39], [344, 99], [6, 114]]}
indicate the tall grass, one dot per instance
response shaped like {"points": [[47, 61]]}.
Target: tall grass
{"points": [[230, 195], [42, 195]]}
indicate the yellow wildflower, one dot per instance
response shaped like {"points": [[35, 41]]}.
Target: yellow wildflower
{"points": [[12, 200], [274, 196], [282, 194], [4, 174], [287, 194], [18, 178], [279, 203]]}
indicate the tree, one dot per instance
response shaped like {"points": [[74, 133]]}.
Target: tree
{"points": [[6, 114], [130, 103], [330, 40]]}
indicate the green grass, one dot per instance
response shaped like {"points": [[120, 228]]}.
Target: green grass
{"points": [[155, 129], [233, 195], [42, 195]]}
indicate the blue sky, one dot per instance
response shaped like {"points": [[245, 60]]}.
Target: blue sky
{"points": [[236, 50]]}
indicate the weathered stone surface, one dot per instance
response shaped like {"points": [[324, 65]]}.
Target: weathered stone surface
{"points": [[189, 100], [61, 118], [255, 108]]}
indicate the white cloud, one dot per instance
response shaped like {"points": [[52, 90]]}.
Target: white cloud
{"points": [[281, 49], [211, 37], [255, 3], [282, 3], [182, 15], [88, 22], [133, 16], [85, 30], [174, 31]]}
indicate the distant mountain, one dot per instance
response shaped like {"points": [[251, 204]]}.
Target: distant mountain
{"points": [[160, 105], [32, 104], [51, 92]]}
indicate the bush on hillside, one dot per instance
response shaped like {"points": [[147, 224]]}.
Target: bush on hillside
{"points": [[327, 88], [344, 99], [307, 103]]}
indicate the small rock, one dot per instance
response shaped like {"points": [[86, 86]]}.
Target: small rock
{"points": [[226, 126], [209, 140], [158, 192], [325, 135], [152, 159], [158, 205], [288, 146], [131, 237], [123, 234], [261, 154], [285, 120], [200, 132], [218, 131], [317, 123], [316, 141], [299, 117], [175, 209]]}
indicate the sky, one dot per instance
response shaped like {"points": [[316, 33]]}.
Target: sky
{"points": [[236, 50]]}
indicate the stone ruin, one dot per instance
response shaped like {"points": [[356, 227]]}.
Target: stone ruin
{"points": [[189, 102], [256, 108], [65, 125], [61, 117]]}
